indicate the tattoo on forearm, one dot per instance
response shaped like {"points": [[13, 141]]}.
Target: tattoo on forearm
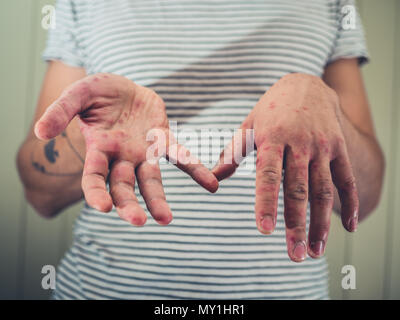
{"points": [[64, 134], [41, 168], [49, 151], [51, 155]]}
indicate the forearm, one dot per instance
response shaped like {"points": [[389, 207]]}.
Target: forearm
{"points": [[368, 165], [51, 171]]}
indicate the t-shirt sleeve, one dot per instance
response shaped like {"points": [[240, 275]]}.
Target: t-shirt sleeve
{"points": [[62, 43], [350, 39]]}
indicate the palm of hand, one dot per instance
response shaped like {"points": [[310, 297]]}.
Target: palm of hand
{"points": [[115, 117]]}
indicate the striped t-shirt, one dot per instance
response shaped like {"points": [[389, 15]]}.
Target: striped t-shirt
{"points": [[210, 60]]}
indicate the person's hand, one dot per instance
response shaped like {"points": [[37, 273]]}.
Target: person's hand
{"points": [[297, 127], [115, 116]]}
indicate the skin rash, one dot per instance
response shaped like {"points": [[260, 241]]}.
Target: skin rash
{"points": [[296, 127], [299, 136], [105, 105]]}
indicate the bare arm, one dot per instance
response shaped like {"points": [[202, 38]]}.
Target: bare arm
{"points": [[51, 168], [365, 154]]}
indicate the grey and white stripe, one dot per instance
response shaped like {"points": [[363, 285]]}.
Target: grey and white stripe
{"points": [[210, 61]]}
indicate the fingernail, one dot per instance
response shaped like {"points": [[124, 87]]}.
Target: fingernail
{"points": [[317, 247], [299, 250], [353, 224], [267, 224]]}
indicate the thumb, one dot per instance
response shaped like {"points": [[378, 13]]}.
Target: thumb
{"points": [[240, 146], [59, 114]]}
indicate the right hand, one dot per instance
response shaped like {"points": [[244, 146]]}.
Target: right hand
{"points": [[115, 116]]}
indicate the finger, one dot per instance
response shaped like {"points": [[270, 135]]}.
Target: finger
{"points": [[94, 178], [343, 178], [268, 181], [151, 188], [321, 203], [185, 161], [122, 186], [295, 188], [59, 114], [230, 158]]}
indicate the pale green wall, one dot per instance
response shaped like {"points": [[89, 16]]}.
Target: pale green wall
{"points": [[27, 242]]}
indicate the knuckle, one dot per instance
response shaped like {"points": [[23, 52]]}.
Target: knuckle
{"points": [[297, 191], [349, 185], [260, 138], [339, 144], [324, 193], [300, 138], [275, 134], [270, 175]]}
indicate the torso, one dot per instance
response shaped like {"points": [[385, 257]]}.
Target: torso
{"points": [[210, 61]]}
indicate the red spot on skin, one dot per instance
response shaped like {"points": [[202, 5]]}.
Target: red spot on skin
{"points": [[323, 142], [272, 105], [120, 134], [279, 150], [83, 90], [292, 240], [297, 110], [296, 156], [283, 94], [109, 122], [266, 148], [140, 103], [120, 121], [324, 145], [314, 166], [126, 114], [305, 108], [83, 129], [105, 76], [62, 104], [104, 135], [96, 79]]}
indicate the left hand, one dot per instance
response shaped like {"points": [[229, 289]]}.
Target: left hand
{"points": [[297, 127]]}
